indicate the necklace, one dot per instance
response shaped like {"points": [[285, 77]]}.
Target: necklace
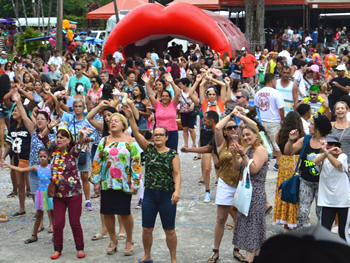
{"points": [[58, 165]]}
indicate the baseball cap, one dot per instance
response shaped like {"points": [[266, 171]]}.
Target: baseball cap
{"points": [[331, 139], [341, 67], [243, 49]]}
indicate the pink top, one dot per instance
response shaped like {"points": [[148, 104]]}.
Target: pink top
{"points": [[166, 116]]}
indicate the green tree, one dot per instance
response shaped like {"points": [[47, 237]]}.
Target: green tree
{"points": [[28, 47]]}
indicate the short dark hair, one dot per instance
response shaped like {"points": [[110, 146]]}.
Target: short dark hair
{"points": [[303, 109], [322, 124], [212, 115], [185, 81], [167, 91], [269, 77]]}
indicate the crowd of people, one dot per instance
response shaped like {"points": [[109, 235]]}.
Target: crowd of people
{"points": [[79, 120]]}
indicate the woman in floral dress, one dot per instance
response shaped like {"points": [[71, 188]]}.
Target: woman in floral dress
{"points": [[116, 170]]}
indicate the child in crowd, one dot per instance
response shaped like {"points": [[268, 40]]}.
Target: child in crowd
{"points": [[334, 186], [42, 201]]}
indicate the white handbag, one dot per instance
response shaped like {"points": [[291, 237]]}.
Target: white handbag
{"points": [[243, 194]]}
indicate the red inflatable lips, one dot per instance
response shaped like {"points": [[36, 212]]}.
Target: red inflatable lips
{"points": [[176, 19]]}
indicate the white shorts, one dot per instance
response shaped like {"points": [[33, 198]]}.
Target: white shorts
{"points": [[224, 193], [272, 129]]}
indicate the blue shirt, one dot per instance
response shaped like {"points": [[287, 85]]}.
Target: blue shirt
{"points": [[70, 121], [97, 64]]}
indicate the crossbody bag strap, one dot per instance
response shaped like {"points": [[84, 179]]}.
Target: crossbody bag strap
{"points": [[305, 142]]}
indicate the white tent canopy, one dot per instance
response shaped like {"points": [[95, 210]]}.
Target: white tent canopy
{"points": [[34, 21]]}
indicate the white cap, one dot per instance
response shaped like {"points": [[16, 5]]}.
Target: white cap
{"points": [[341, 67], [243, 49]]}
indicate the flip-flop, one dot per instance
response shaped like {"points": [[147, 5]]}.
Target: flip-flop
{"points": [[121, 236], [268, 210], [98, 236], [28, 241], [145, 261]]}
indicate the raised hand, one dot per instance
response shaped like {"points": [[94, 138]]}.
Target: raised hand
{"points": [[127, 111], [294, 135], [168, 78], [145, 78]]}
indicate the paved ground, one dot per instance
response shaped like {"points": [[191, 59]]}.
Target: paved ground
{"points": [[194, 224]]}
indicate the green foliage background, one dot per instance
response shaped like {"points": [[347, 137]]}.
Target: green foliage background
{"points": [[73, 9], [30, 47]]}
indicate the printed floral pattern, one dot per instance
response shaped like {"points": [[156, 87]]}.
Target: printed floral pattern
{"points": [[117, 166]]}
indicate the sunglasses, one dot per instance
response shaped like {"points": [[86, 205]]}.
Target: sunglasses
{"points": [[238, 97], [233, 127]]}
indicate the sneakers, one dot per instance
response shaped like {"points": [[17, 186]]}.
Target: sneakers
{"points": [[139, 204], [206, 197], [88, 206]]}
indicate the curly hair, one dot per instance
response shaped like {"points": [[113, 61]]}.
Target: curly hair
{"points": [[291, 122]]}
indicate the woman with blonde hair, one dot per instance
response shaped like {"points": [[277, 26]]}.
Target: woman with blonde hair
{"points": [[66, 72], [250, 231]]}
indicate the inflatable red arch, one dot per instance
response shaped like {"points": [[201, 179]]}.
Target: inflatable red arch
{"points": [[154, 21]]}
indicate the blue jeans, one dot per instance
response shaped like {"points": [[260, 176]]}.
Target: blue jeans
{"points": [[154, 202], [173, 139]]}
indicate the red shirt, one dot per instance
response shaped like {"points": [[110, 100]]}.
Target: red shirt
{"points": [[249, 65]]}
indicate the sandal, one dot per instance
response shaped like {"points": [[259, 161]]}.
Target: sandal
{"points": [[95, 195], [214, 256], [121, 236], [29, 240], [112, 250], [98, 236], [129, 251], [12, 194], [229, 226], [237, 255], [41, 229]]}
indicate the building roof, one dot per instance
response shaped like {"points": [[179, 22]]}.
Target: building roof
{"points": [[107, 10]]}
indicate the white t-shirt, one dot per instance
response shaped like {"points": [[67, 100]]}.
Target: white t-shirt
{"points": [[269, 101], [117, 56], [334, 185], [306, 125]]}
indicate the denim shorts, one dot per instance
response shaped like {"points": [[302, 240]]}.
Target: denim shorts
{"points": [[85, 167], [154, 202]]}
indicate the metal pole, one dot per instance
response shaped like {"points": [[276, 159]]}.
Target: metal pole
{"points": [[116, 11], [59, 34]]}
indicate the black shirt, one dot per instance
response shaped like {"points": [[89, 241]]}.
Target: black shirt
{"points": [[19, 139], [337, 93], [308, 169]]}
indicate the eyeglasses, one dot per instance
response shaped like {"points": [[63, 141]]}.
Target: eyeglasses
{"points": [[233, 127], [159, 134]]}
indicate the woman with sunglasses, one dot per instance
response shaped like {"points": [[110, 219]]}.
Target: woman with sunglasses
{"points": [[95, 93], [162, 187], [226, 132]]}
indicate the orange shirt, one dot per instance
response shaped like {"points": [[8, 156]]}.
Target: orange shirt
{"points": [[249, 65]]}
